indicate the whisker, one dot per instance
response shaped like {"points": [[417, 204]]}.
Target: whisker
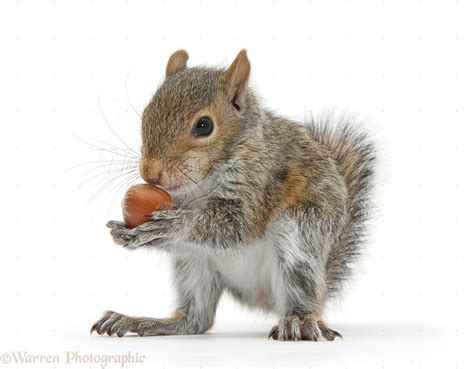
{"points": [[112, 165], [125, 185], [106, 184], [120, 173], [111, 129], [183, 173], [128, 97], [197, 184], [98, 148], [102, 163], [107, 172], [113, 148]]}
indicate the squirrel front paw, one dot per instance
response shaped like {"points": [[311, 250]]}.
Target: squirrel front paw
{"points": [[152, 233], [130, 238]]}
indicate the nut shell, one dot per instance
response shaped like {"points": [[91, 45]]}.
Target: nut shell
{"points": [[143, 199]]}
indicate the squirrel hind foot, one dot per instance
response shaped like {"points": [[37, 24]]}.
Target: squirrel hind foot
{"points": [[113, 323], [307, 328]]}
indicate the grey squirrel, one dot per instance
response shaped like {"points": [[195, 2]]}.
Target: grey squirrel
{"points": [[269, 210]]}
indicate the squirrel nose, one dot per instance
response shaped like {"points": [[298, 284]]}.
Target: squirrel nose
{"points": [[154, 180]]}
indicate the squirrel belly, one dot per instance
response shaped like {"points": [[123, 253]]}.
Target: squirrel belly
{"points": [[252, 275]]}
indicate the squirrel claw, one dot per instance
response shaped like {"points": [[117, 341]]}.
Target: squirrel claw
{"points": [[115, 224], [328, 333], [98, 324], [273, 333]]}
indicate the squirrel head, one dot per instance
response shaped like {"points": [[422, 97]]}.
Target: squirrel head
{"points": [[193, 121]]}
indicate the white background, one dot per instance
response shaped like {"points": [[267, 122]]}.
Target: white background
{"points": [[404, 66]]}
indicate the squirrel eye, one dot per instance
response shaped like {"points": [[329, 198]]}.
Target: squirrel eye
{"points": [[203, 127]]}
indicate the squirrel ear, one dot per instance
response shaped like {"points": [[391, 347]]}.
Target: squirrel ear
{"points": [[236, 78], [176, 62]]}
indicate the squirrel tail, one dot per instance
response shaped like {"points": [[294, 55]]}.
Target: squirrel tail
{"points": [[354, 154]]}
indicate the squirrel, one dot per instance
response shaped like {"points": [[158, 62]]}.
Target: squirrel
{"points": [[269, 210]]}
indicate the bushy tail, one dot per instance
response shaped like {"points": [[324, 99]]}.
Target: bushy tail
{"points": [[355, 157]]}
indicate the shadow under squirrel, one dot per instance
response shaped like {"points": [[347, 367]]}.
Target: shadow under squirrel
{"points": [[267, 209]]}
